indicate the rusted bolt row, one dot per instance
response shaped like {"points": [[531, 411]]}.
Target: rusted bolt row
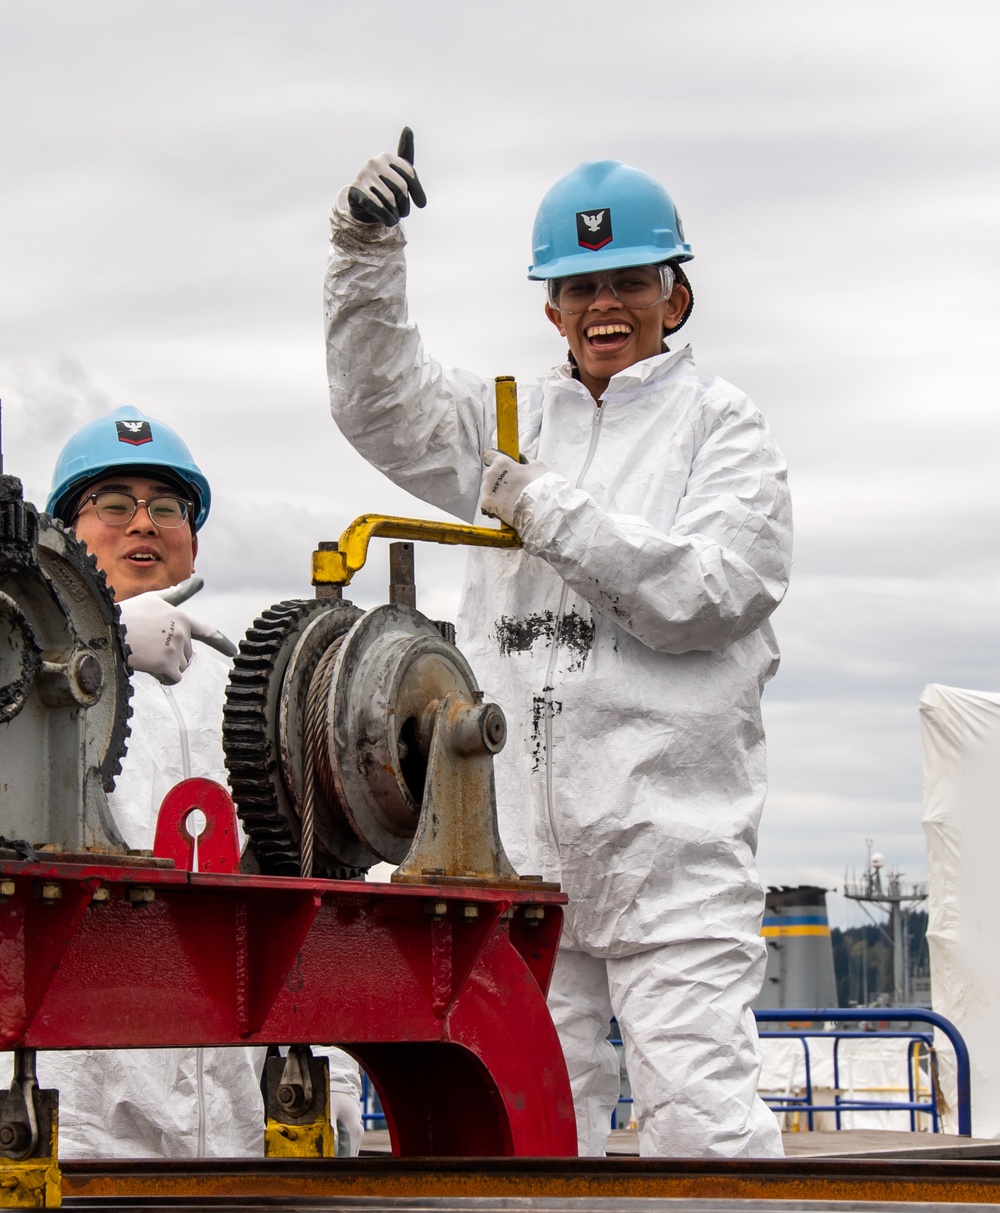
{"points": [[439, 909], [51, 891]]}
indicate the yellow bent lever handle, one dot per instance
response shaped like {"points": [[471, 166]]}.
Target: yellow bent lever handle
{"points": [[338, 567], [508, 442]]}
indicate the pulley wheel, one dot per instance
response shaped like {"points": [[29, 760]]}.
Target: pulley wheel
{"points": [[316, 648], [393, 669]]}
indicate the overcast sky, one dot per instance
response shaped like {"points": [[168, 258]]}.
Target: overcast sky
{"points": [[167, 172]]}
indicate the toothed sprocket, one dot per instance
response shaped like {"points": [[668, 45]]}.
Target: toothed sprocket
{"points": [[265, 703]]}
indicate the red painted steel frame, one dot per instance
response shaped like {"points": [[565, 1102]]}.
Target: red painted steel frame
{"points": [[446, 1013]]}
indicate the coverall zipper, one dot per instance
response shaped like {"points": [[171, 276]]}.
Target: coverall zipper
{"points": [[595, 431]]}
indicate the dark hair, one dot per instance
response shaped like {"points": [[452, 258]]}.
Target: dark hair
{"points": [[72, 500], [681, 279]]}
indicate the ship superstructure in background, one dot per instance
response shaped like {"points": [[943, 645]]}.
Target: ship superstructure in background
{"points": [[884, 887], [800, 969]]}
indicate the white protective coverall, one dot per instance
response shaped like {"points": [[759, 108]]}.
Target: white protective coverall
{"points": [[656, 546], [177, 1102]]}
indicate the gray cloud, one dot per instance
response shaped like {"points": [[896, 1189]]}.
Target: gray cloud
{"points": [[168, 173]]}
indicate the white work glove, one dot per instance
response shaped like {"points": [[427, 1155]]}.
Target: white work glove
{"points": [[383, 189], [503, 482], [159, 634]]}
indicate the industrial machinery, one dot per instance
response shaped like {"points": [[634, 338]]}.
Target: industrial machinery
{"points": [[64, 685], [350, 737]]}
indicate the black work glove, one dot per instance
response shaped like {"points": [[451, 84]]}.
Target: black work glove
{"points": [[383, 189]]}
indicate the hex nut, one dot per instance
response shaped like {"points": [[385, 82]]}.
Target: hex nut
{"points": [[470, 911], [89, 675], [142, 895], [7, 888], [14, 1136]]}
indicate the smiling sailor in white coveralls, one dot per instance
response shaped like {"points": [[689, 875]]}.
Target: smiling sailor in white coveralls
{"points": [[129, 487], [627, 641]]}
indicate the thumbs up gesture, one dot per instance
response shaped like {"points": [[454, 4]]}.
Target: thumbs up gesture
{"points": [[383, 189]]}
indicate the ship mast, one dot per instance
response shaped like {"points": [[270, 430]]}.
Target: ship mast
{"points": [[884, 887]]}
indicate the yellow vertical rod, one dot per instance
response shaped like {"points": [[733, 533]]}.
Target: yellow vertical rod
{"points": [[506, 397]]}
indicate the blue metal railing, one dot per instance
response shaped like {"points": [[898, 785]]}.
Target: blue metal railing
{"points": [[807, 1102], [373, 1116], [862, 1015], [873, 1015]]}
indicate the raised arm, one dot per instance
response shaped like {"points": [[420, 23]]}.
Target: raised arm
{"points": [[422, 424]]}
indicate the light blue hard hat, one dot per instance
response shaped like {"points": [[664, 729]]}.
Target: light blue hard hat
{"points": [[124, 439], [602, 216]]}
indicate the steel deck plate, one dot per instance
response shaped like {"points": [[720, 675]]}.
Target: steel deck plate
{"points": [[518, 1183]]}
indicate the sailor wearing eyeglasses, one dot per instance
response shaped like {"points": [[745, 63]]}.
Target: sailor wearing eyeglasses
{"points": [[130, 489], [627, 641]]}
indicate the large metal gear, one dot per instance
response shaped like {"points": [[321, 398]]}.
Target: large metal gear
{"points": [[64, 684], [262, 734], [356, 736]]}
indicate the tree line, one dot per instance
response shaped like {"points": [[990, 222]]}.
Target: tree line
{"points": [[862, 960]]}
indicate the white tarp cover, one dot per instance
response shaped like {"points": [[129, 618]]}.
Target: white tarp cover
{"points": [[960, 737]]}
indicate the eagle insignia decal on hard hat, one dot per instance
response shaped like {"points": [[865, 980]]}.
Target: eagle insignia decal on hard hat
{"points": [[135, 433], [593, 228]]}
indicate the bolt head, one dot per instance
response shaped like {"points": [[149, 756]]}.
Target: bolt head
{"points": [[495, 727], [13, 1135], [89, 675]]}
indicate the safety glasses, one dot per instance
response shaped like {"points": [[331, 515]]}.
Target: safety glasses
{"points": [[637, 287]]}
